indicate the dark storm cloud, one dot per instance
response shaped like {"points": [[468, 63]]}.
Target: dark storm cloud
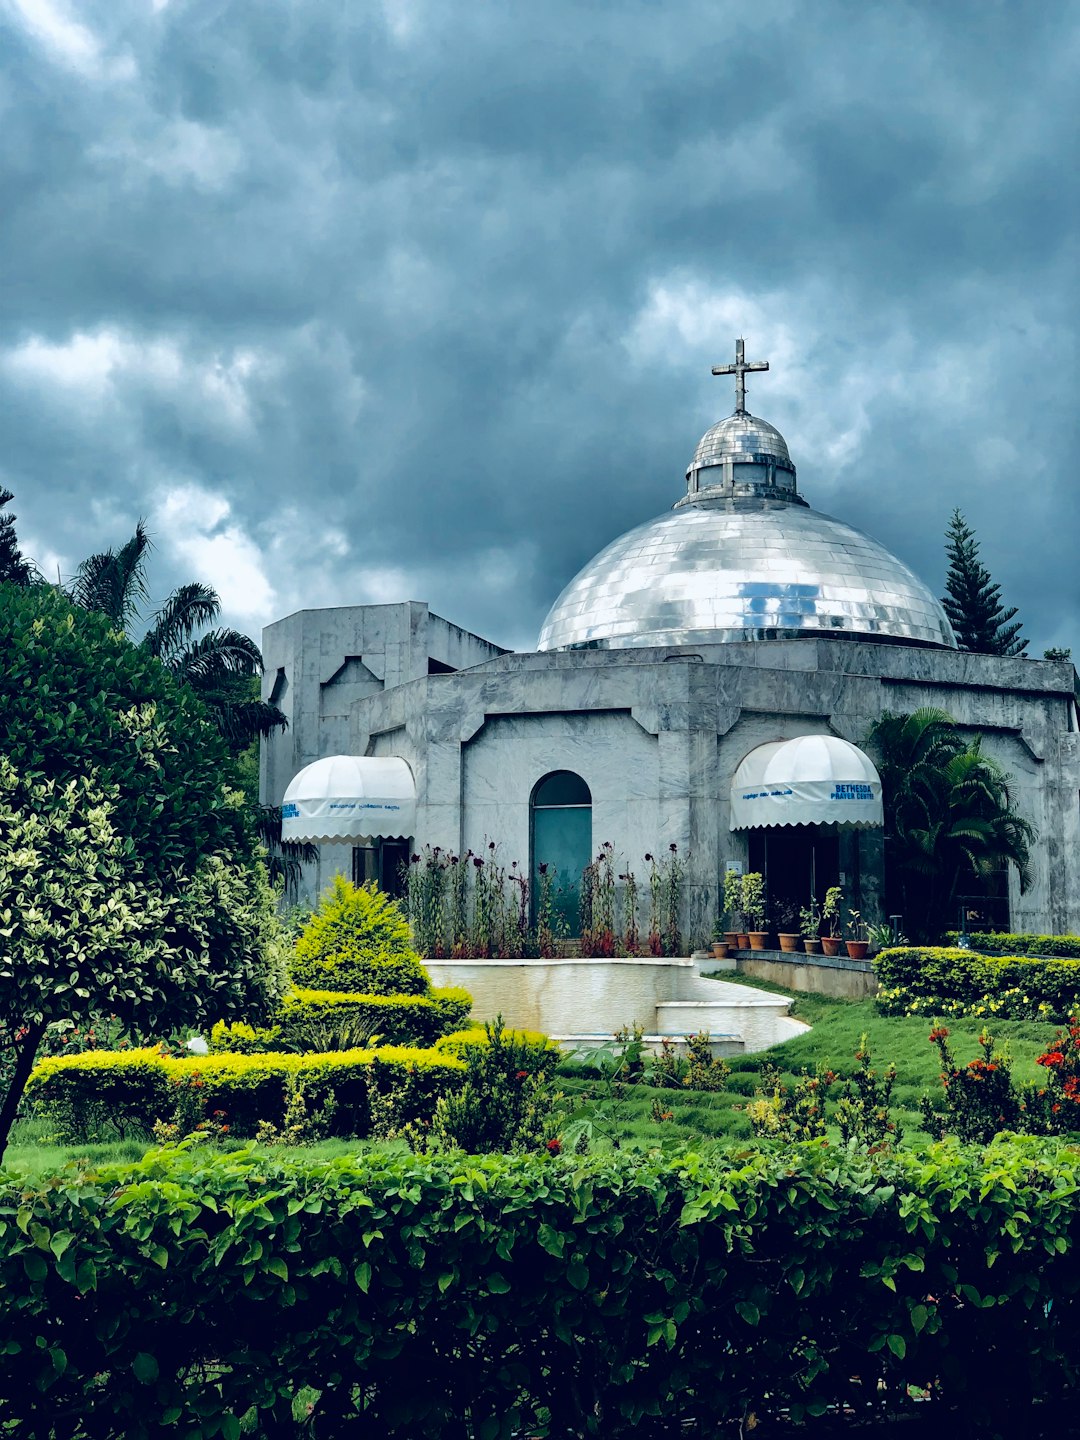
{"points": [[377, 302]]}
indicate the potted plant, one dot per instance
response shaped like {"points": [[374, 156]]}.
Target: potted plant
{"points": [[753, 904], [733, 907], [830, 918], [787, 916], [858, 941], [810, 918], [719, 943], [881, 937]]}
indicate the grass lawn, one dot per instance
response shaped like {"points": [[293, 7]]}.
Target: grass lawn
{"points": [[837, 1026]]}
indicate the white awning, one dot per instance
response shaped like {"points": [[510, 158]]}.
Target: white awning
{"points": [[812, 780], [346, 798]]}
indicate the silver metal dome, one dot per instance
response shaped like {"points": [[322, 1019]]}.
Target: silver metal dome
{"points": [[742, 436], [742, 557], [742, 569]]}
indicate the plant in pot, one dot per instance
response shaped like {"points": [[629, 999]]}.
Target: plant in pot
{"points": [[830, 918], [733, 909], [787, 918], [719, 941], [810, 919], [881, 937], [858, 941], [753, 905]]}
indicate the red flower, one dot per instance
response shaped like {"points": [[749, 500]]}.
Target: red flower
{"points": [[1052, 1057], [554, 1146], [939, 1033], [522, 1075]]}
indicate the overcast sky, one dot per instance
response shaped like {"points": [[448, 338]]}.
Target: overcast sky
{"points": [[371, 302]]}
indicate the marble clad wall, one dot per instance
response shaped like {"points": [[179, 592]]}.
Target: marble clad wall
{"points": [[598, 997], [656, 733]]}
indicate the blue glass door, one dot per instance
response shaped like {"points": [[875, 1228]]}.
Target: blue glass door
{"points": [[562, 839]]}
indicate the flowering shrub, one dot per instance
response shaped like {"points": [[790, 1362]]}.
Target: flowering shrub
{"points": [[980, 1098], [936, 981], [798, 1111], [598, 934], [507, 1101], [698, 1069], [1059, 1097], [863, 1113], [666, 876], [789, 1112], [1011, 1004], [476, 907], [998, 943]]}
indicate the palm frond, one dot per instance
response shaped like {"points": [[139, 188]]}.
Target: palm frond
{"points": [[113, 582], [217, 654], [186, 610], [241, 721]]}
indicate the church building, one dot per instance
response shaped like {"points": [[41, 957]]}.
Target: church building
{"points": [[706, 681]]}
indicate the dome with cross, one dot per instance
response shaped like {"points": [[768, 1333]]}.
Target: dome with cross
{"points": [[742, 556]]}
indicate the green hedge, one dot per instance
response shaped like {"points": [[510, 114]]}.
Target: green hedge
{"points": [[373, 1091], [992, 943], [929, 980], [199, 1294], [395, 1019]]}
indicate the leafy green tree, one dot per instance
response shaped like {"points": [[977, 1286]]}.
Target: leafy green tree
{"points": [[13, 566], [1056, 652], [221, 665], [972, 601], [158, 910], [949, 816]]}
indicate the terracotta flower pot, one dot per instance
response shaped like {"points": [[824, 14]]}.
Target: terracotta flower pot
{"points": [[719, 949], [857, 949], [830, 944], [744, 940], [757, 939], [812, 946], [731, 938], [789, 942]]}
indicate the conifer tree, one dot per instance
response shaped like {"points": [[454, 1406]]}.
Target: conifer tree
{"points": [[972, 601], [13, 566]]}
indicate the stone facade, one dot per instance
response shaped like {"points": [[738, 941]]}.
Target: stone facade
{"points": [[655, 733]]}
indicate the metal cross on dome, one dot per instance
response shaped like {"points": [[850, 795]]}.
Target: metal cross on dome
{"points": [[739, 370]]}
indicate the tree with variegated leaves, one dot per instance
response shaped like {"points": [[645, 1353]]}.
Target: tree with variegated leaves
{"points": [[130, 881]]}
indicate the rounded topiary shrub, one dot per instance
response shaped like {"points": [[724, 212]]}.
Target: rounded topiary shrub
{"points": [[358, 941]]}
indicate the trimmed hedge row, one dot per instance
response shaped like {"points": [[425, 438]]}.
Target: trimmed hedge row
{"points": [[992, 943], [368, 1091], [203, 1294], [927, 979], [395, 1019]]}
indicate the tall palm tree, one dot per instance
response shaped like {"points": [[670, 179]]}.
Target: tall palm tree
{"points": [[950, 821], [221, 665]]}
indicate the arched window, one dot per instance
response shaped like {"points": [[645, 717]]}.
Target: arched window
{"points": [[560, 813]]}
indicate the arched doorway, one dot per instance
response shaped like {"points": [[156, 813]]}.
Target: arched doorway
{"points": [[560, 814]]}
